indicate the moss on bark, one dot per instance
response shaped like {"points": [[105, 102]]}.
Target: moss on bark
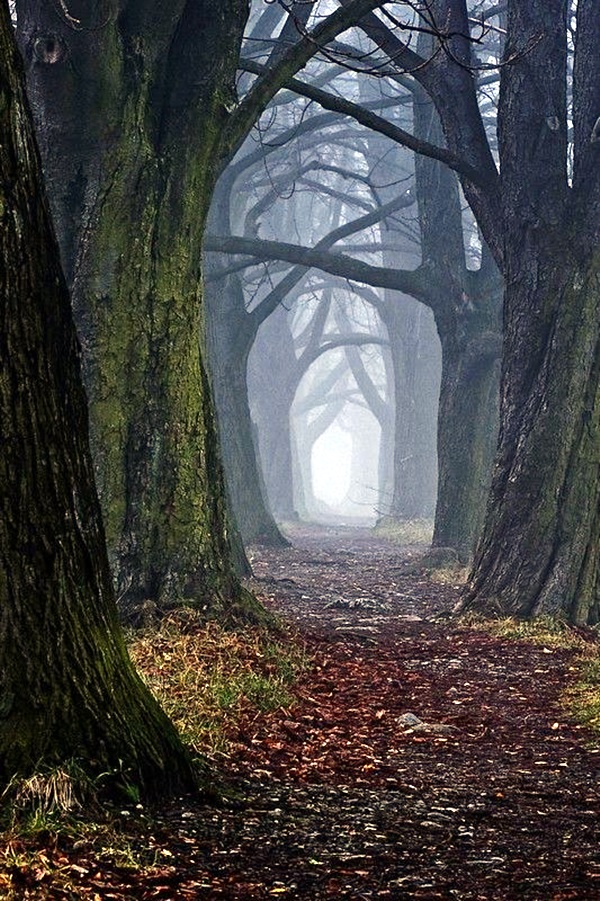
{"points": [[67, 688], [147, 161]]}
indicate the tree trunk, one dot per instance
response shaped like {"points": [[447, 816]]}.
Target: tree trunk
{"points": [[467, 310], [541, 550], [244, 481], [468, 416], [230, 335], [416, 378], [273, 392], [67, 688], [131, 149]]}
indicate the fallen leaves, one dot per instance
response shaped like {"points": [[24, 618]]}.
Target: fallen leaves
{"points": [[413, 759]]}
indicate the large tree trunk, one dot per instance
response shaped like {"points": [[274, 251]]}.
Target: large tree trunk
{"points": [[540, 552], [67, 688], [244, 480], [541, 548], [131, 143]]}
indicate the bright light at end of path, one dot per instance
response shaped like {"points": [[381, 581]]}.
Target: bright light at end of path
{"points": [[331, 462]]}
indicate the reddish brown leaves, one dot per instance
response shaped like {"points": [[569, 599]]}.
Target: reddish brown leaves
{"points": [[418, 760]]}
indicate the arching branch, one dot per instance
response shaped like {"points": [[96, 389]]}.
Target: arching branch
{"points": [[377, 123], [408, 281]]}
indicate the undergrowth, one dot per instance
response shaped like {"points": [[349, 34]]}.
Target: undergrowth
{"points": [[405, 531], [204, 676], [581, 700]]}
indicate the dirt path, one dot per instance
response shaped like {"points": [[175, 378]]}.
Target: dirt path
{"points": [[495, 797], [487, 792]]}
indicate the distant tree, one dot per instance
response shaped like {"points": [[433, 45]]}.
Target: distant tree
{"points": [[280, 360], [68, 690]]}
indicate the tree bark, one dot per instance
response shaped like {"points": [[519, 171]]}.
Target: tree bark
{"points": [[540, 553], [468, 418], [132, 146], [68, 690]]}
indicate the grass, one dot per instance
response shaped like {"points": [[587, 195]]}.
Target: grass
{"points": [[45, 855], [205, 676], [580, 700], [409, 531], [583, 699], [450, 575], [543, 630]]}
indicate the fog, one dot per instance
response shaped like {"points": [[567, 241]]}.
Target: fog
{"points": [[344, 468], [331, 462], [342, 375]]}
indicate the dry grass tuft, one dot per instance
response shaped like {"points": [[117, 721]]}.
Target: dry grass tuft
{"points": [[205, 676], [413, 531], [583, 699], [450, 575], [544, 630], [61, 790]]}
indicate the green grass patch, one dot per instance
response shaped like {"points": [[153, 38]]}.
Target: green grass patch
{"points": [[205, 677]]}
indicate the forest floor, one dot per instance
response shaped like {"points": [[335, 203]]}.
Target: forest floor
{"points": [[421, 757]]}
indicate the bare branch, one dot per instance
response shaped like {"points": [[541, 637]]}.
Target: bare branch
{"points": [[377, 123]]}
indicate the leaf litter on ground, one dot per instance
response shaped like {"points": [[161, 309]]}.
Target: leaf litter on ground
{"points": [[379, 750]]}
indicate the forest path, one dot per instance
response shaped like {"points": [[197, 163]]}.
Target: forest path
{"points": [[493, 794], [489, 791]]}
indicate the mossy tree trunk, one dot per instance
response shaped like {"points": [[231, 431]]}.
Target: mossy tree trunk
{"points": [[468, 417], [130, 107], [67, 688], [540, 549]]}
